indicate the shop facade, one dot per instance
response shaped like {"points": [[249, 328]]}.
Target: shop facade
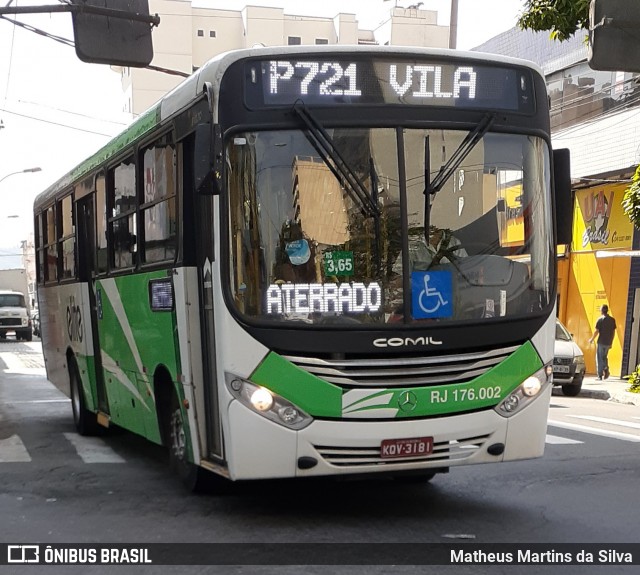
{"points": [[597, 270]]}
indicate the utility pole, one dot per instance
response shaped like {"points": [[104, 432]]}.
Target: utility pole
{"points": [[453, 25]]}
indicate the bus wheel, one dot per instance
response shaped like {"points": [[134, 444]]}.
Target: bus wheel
{"points": [[194, 478], [85, 421]]}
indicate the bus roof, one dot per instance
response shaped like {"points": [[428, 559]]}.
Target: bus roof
{"points": [[213, 71]]}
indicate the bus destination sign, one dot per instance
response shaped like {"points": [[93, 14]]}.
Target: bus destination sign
{"points": [[460, 83]]}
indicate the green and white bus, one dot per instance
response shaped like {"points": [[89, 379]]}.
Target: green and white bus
{"points": [[310, 261]]}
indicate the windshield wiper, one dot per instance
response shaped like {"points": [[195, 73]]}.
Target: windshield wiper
{"points": [[373, 178], [330, 155], [463, 150], [432, 187]]}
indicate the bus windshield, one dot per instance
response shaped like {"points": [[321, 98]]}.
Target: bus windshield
{"points": [[312, 245]]}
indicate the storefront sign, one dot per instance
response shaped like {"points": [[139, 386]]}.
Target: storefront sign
{"points": [[599, 221]]}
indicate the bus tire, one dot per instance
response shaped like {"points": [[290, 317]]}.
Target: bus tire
{"points": [[85, 421], [193, 477]]}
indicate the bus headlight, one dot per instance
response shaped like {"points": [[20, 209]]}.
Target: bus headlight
{"points": [[268, 404], [531, 386], [525, 393], [261, 399]]}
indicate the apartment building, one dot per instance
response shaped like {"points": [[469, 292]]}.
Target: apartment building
{"points": [[187, 37]]}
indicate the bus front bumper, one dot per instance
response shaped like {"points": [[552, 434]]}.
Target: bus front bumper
{"points": [[259, 449]]}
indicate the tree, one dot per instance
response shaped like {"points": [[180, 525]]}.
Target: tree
{"points": [[631, 207], [562, 17]]}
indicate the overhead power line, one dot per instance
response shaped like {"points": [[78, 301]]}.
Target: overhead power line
{"points": [[65, 111], [35, 30], [56, 123]]}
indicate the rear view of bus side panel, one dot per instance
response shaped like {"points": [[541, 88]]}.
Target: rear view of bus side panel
{"points": [[66, 331], [135, 342]]}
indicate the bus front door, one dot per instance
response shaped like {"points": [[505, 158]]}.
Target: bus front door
{"points": [[87, 270], [205, 257]]}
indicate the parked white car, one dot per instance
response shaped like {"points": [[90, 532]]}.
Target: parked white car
{"points": [[568, 362]]}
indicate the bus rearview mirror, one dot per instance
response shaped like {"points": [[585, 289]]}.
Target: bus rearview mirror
{"points": [[563, 195]]}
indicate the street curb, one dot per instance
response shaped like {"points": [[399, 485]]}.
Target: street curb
{"points": [[605, 391], [596, 394], [591, 393]]}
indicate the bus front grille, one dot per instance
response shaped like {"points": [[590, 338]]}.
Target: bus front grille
{"points": [[403, 371], [445, 452]]}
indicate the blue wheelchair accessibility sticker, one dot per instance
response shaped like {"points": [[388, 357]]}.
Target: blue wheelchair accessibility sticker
{"points": [[431, 294]]}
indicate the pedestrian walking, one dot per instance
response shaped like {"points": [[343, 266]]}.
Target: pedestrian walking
{"points": [[605, 330]]}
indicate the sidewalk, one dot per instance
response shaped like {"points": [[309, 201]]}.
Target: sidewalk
{"points": [[612, 389]]}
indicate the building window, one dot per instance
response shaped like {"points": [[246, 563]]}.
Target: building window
{"points": [[321, 41], [201, 33], [295, 40], [212, 33]]}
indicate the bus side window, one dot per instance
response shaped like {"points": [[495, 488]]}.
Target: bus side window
{"points": [[158, 207], [121, 207], [51, 248], [101, 224], [40, 251], [67, 238]]}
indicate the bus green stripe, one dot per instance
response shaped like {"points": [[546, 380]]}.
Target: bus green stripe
{"points": [[322, 399], [310, 393], [143, 124]]}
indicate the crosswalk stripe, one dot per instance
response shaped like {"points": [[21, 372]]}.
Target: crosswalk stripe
{"points": [[12, 450], [16, 364], [619, 422], [93, 449], [556, 440], [595, 431]]}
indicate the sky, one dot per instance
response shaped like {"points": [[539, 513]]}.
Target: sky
{"points": [[56, 110]]}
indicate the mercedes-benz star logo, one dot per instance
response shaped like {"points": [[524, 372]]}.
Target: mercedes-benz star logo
{"points": [[407, 401]]}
